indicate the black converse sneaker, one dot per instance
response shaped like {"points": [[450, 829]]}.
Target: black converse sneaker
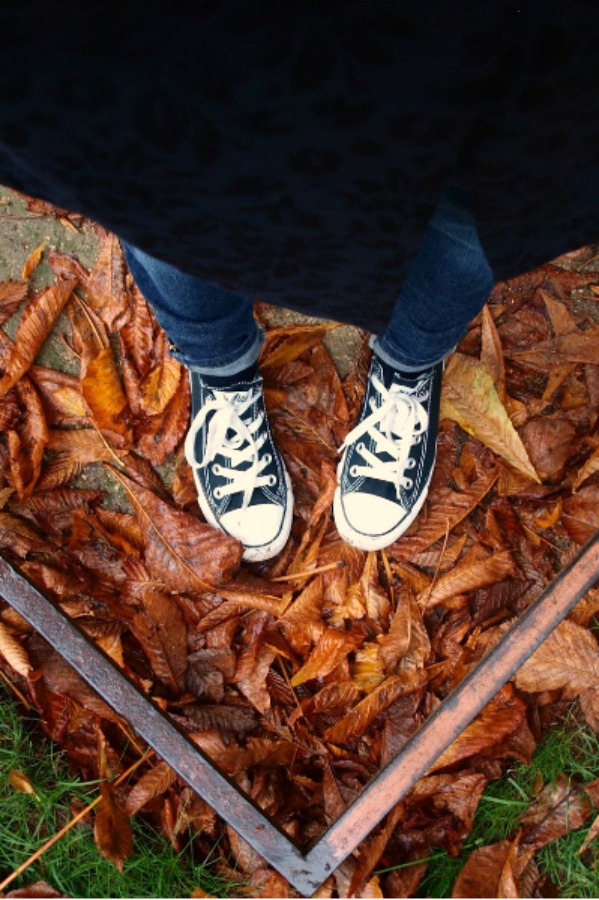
{"points": [[388, 458], [243, 487]]}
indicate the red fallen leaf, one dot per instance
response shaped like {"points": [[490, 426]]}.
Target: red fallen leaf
{"points": [[112, 831], [106, 292], [502, 716], [458, 793], [12, 294], [18, 536], [28, 440], [234, 759], [247, 859], [558, 809], [153, 784], [268, 883], [357, 720], [354, 384], [404, 882], [50, 503], [372, 849], [182, 552], [35, 325], [250, 677], [579, 347], [102, 390], [406, 639], [89, 334], [122, 529]]}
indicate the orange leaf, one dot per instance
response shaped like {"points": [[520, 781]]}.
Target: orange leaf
{"points": [[106, 284], [12, 294], [34, 327], [102, 390], [160, 385], [32, 262], [569, 659], [152, 784], [469, 575], [331, 649]]}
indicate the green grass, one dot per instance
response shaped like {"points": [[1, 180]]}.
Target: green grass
{"points": [[572, 749], [73, 865]]}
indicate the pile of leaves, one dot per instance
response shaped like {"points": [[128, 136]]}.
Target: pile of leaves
{"points": [[302, 677]]}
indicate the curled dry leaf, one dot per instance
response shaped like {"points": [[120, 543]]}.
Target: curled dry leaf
{"points": [[106, 284], [493, 871], [32, 262], [103, 392], [468, 575], [331, 649], [558, 809], [12, 294], [13, 652]]}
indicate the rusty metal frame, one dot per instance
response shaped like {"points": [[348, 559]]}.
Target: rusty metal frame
{"points": [[306, 870]]}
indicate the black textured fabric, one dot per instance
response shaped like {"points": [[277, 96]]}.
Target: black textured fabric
{"points": [[295, 152]]}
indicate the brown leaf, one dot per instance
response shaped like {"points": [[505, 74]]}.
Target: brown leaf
{"points": [[568, 658], [159, 435], [580, 517], [37, 889], [550, 442], [180, 551], [357, 720], [12, 294], [493, 871], [161, 631], [112, 831], [502, 716], [27, 442], [35, 325], [579, 347], [106, 284], [13, 652], [32, 262], [160, 384], [470, 398], [468, 575], [331, 649], [21, 782], [153, 784], [250, 676], [491, 354], [558, 809], [285, 344]]}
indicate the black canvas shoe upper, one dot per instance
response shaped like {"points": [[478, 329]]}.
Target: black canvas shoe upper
{"points": [[243, 487], [388, 458]]}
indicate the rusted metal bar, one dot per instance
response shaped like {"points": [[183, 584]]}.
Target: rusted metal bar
{"points": [[306, 871]]}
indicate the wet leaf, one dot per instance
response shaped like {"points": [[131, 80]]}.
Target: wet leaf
{"points": [[106, 284], [112, 831], [331, 649], [469, 575], [103, 392], [12, 294], [568, 658], [153, 784], [500, 718], [34, 327], [21, 782], [13, 652], [558, 809], [180, 551]]}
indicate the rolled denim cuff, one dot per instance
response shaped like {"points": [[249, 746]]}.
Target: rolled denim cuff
{"points": [[246, 357], [397, 363]]}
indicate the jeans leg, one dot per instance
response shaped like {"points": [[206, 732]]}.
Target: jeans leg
{"points": [[446, 286], [214, 330]]}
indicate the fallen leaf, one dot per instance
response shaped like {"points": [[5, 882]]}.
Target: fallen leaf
{"points": [[35, 325], [12, 294], [152, 784], [112, 831], [471, 399], [32, 262]]}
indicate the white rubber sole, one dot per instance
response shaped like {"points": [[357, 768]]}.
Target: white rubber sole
{"points": [[258, 552]]}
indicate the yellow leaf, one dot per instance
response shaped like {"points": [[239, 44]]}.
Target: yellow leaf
{"points": [[21, 782], [471, 399], [69, 401], [160, 386], [13, 653]]}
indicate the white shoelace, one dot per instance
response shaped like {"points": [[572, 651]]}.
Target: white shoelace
{"points": [[394, 427], [228, 409]]}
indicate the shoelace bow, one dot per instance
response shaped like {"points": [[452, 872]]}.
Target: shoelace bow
{"points": [[394, 426], [228, 411]]}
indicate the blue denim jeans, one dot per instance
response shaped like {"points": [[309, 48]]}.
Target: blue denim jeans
{"points": [[447, 284]]}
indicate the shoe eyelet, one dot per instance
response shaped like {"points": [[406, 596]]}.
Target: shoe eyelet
{"points": [[267, 459], [410, 463], [353, 471], [272, 480], [360, 447], [408, 484], [217, 469], [218, 493]]}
